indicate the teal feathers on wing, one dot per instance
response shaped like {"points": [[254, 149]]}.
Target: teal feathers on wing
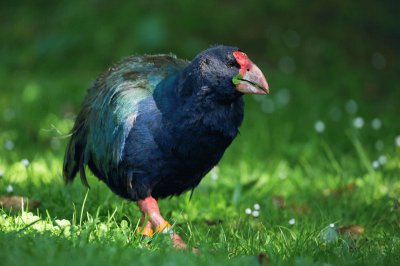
{"points": [[110, 109]]}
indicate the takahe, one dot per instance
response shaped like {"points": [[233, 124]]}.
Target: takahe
{"points": [[153, 126]]}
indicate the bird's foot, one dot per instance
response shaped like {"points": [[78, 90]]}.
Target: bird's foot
{"points": [[177, 241], [166, 228], [152, 218]]}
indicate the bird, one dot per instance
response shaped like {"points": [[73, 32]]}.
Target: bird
{"points": [[153, 126]]}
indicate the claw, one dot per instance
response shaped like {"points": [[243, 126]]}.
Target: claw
{"points": [[177, 241], [144, 231]]}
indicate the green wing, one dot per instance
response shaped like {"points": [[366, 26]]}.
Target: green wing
{"points": [[110, 109]]}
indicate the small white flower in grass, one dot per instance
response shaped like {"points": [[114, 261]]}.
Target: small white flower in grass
{"points": [[376, 123], [256, 206], [214, 173], [397, 141], [255, 213], [379, 145], [358, 122], [9, 145], [382, 159], [351, 107], [375, 164], [319, 126], [292, 221], [332, 225], [25, 162], [247, 211], [9, 189]]}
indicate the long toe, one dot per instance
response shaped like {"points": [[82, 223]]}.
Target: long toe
{"points": [[178, 242]]}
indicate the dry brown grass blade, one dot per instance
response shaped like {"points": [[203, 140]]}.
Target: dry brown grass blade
{"points": [[17, 202], [348, 188], [354, 229], [279, 201]]}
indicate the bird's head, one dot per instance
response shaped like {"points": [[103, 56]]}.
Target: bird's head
{"points": [[227, 71]]}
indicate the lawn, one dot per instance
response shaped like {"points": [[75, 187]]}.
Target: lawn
{"points": [[312, 179]]}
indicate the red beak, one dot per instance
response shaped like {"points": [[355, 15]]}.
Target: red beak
{"points": [[252, 81]]}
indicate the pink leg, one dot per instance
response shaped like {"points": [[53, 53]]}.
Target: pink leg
{"points": [[143, 221], [149, 208]]}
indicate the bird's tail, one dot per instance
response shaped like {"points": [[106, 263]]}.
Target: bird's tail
{"points": [[74, 156]]}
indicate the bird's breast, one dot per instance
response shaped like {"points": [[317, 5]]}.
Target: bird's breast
{"points": [[197, 145]]}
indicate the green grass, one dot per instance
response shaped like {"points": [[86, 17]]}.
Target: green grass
{"points": [[101, 228], [279, 161]]}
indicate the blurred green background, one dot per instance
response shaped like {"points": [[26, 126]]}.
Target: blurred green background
{"points": [[317, 56]]}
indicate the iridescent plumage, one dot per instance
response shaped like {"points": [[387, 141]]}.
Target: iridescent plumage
{"points": [[153, 126]]}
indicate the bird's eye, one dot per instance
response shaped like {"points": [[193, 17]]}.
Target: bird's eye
{"points": [[232, 63]]}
